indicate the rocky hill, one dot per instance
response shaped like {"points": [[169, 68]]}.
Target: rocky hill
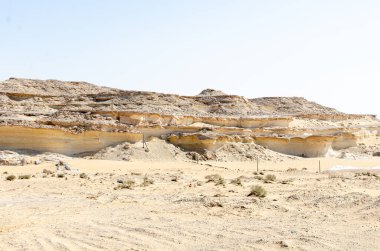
{"points": [[78, 117]]}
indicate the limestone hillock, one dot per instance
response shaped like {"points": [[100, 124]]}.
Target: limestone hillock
{"points": [[75, 118]]}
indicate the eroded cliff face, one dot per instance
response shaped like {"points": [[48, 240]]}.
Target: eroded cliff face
{"points": [[77, 117]]}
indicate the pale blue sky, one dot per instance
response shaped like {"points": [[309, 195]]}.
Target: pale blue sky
{"points": [[325, 50]]}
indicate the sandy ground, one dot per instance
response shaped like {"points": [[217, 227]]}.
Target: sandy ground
{"points": [[303, 210]]}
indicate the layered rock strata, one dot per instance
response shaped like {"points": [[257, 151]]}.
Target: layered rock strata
{"points": [[77, 117]]}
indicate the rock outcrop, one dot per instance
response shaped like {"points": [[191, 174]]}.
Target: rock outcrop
{"points": [[76, 117]]}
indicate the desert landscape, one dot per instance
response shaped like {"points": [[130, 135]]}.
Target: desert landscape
{"points": [[84, 167]]}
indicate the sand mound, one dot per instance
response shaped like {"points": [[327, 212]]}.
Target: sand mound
{"points": [[248, 152], [343, 201], [158, 150]]}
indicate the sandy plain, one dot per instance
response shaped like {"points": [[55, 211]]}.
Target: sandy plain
{"points": [[177, 209]]}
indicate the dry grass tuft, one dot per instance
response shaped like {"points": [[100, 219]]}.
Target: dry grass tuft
{"points": [[213, 204], [216, 178], [24, 177], [258, 191], [236, 181], [270, 178], [47, 172], [128, 184], [147, 181], [10, 177]]}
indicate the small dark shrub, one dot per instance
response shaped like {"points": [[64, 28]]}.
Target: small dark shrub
{"points": [[47, 172], [125, 185], [270, 178], [236, 181], [258, 191], [147, 182], [10, 177], [216, 178]]}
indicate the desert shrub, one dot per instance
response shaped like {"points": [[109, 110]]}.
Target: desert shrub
{"points": [[336, 176], [216, 178], [213, 177], [24, 177], [47, 172], [270, 178], [5, 172], [236, 181], [220, 182], [258, 177], [147, 181], [258, 191], [174, 178], [60, 175], [128, 184], [213, 204], [10, 177], [291, 169], [83, 176]]}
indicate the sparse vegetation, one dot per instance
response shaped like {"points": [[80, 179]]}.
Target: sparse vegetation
{"points": [[270, 178], [60, 175], [24, 177], [258, 177], [128, 184], [10, 177], [83, 176], [213, 204], [47, 172], [335, 176], [213, 177], [147, 181], [258, 191], [285, 182], [236, 181], [291, 169], [5, 172], [174, 178], [216, 178]]}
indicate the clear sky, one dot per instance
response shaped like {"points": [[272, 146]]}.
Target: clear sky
{"points": [[325, 50]]}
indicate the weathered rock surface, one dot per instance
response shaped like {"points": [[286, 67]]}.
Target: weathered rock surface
{"points": [[76, 118]]}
